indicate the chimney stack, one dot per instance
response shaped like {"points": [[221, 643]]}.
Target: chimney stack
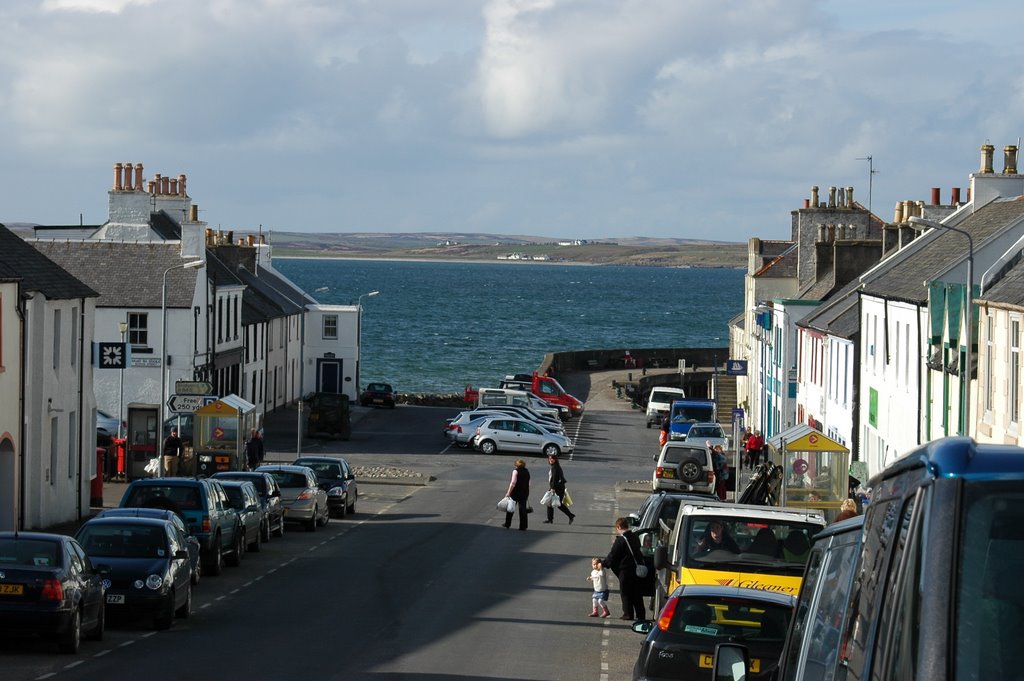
{"points": [[987, 150], [181, 185], [138, 177], [1010, 159], [814, 196], [832, 197]]}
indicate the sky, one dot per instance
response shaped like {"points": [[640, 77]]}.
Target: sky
{"points": [[592, 119]]}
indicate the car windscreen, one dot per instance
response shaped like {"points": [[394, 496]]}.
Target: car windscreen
{"points": [[662, 396], [722, 542], [235, 497], [708, 620], [258, 481], [706, 431], [675, 455], [691, 413], [22, 552], [288, 479], [123, 541], [170, 497], [990, 596], [322, 470]]}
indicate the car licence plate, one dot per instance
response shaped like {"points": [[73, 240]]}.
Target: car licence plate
{"points": [[12, 589], [707, 661], [668, 473], [378, 400], [115, 598]]}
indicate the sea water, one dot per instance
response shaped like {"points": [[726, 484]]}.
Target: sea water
{"points": [[435, 327]]}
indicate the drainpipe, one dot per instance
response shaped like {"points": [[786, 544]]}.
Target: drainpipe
{"points": [[22, 311], [81, 400]]}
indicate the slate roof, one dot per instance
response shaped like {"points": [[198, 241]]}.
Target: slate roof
{"points": [[1009, 289], [37, 272], [263, 285], [219, 272], [782, 266], [905, 281], [126, 274]]}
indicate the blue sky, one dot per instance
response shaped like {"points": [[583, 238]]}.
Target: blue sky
{"points": [[562, 118]]}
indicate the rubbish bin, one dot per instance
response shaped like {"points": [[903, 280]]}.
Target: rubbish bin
{"points": [[120, 445], [96, 487]]}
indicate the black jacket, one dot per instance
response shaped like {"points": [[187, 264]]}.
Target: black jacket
{"points": [[521, 492], [556, 479], [620, 559]]}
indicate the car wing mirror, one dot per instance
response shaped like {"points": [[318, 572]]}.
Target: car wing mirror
{"points": [[660, 557], [181, 554], [731, 662]]}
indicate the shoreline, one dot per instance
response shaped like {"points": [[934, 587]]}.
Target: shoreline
{"points": [[446, 260]]}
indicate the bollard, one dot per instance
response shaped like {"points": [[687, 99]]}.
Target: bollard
{"points": [[629, 377], [643, 372]]}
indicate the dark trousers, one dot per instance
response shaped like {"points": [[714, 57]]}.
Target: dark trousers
{"points": [[630, 591], [522, 516], [561, 507]]}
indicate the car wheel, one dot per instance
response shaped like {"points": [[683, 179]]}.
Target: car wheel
{"points": [[352, 508], [551, 449], [488, 447], [185, 611], [96, 633], [235, 559], [217, 563], [343, 511], [197, 572], [280, 525], [71, 639], [265, 530], [312, 522], [165, 617], [325, 518], [257, 545], [690, 471]]}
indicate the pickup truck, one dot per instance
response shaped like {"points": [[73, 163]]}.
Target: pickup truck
{"points": [[545, 387]]}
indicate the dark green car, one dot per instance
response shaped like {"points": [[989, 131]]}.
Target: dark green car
{"points": [[328, 416]]}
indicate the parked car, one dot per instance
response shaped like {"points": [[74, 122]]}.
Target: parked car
{"points": [[519, 435], [245, 500], [150, 569], [663, 507], [553, 425], [329, 416], [303, 500], [109, 424], [335, 476], [203, 504], [684, 467], [192, 544], [270, 498], [696, 618], [703, 433], [461, 430], [50, 587], [660, 401], [378, 395]]}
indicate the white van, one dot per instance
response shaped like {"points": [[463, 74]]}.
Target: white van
{"points": [[661, 400], [506, 397]]}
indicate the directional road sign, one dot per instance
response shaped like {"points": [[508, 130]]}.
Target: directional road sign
{"points": [[184, 404], [193, 388]]}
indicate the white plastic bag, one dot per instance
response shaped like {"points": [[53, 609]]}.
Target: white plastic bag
{"points": [[549, 499], [153, 467], [507, 504]]}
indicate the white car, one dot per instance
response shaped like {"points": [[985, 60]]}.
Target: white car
{"points": [[684, 467], [510, 434], [703, 433], [660, 401]]}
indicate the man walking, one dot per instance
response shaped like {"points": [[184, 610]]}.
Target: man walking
{"points": [[172, 453]]}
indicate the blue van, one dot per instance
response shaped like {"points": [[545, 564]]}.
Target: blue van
{"points": [[926, 586], [685, 413]]}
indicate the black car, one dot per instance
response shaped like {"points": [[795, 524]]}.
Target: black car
{"points": [[150, 573], [378, 395], [270, 497], [334, 475], [681, 643], [194, 550], [663, 507], [246, 502], [48, 586]]}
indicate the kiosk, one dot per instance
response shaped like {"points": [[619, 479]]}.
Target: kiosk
{"points": [[219, 432], [816, 470]]}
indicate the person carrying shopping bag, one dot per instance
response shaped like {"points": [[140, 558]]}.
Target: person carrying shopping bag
{"points": [[556, 483], [519, 491]]}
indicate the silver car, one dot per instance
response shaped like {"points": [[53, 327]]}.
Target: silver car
{"points": [[708, 433], [461, 429], [507, 433], [301, 496]]}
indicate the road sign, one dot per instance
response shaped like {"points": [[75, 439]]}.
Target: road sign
{"points": [[184, 404], [193, 388]]}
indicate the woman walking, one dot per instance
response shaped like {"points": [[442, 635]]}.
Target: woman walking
{"points": [[556, 483], [519, 490], [623, 560]]}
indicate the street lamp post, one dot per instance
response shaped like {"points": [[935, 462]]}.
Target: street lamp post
{"points": [[359, 337], [123, 328], [163, 361], [965, 371]]}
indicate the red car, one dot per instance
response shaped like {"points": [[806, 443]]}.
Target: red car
{"points": [[378, 395]]}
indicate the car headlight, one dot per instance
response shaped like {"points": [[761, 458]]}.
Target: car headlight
{"points": [[336, 492], [153, 582]]}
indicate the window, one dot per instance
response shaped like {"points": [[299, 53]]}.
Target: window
{"points": [[1014, 402], [990, 349], [220, 319], [54, 448], [138, 330], [330, 327], [56, 339]]}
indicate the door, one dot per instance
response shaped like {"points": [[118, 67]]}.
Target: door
{"points": [[8, 485], [530, 438], [328, 375]]}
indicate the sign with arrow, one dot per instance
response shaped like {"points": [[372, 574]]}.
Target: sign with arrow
{"points": [[184, 404], [193, 388]]}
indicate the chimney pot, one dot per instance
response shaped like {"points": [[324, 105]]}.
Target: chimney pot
{"points": [[193, 213], [165, 185], [987, 150], [117, 177], [1010, 159], [807, 203], [138, 177], [849, 197], [129, 183], [814, 196], [897, 215], [832, 197], [955, 196], [936, 195], [181, 185], [174, 187]]}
